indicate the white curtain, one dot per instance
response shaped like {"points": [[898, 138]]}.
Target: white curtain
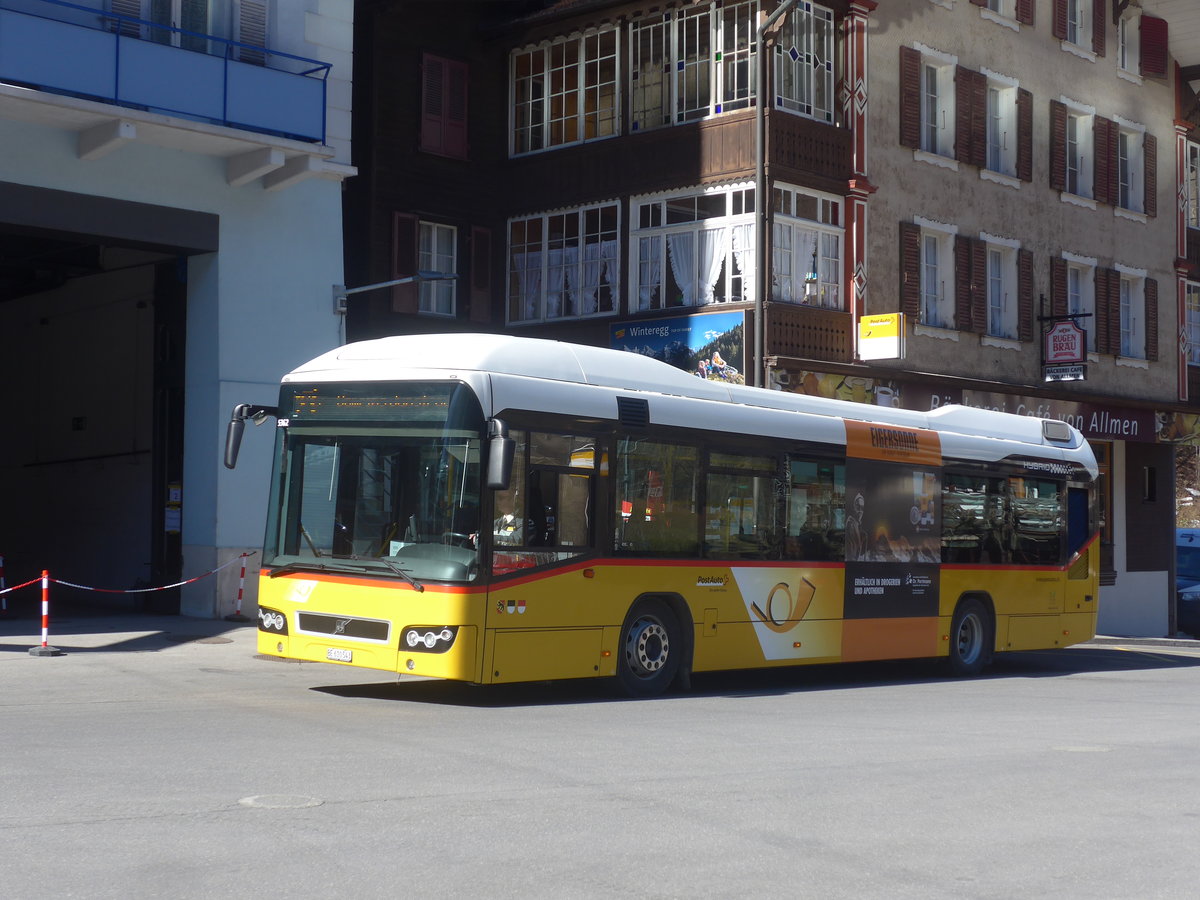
{"points": [[650, 270], [681, 249], [714, 245], [585, 280], [556, 277], [528, 267], [610, 254], [743, 253]]}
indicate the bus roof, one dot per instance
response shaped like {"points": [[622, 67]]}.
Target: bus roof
{"points": [[386, 359]]}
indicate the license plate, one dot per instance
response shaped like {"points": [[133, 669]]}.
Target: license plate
{"points": [[339, 655]]}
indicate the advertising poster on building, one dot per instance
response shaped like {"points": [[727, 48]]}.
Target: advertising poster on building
{"points": [[709, 345], [893, 522]]}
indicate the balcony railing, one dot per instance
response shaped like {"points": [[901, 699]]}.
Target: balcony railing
{"points": [[82, 51], [807, 332]]}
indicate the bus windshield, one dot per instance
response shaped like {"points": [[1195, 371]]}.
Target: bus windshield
{"points": [[377, 478]]}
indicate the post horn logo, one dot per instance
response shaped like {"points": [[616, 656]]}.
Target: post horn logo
{"points": [[783, 610]]}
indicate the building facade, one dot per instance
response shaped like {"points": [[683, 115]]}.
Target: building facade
{"points": [[170, 232], [612, 173]]}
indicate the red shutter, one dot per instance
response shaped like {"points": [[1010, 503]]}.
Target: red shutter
{"points": [[1024, 135], [978, 119], [1104, 156], [979, 301], [1099, 24], [963, 283], [1025, 11], [1058, 145], [1154, 47], [910, 98], [1114, 311], [455, 123], [433, 100], [1150, 171], [910, 270], [443, 107], [970, 117], [1105, 297], [1058, 286], [1025, 295], [481, 275], [404, 262], [1151, 320], [1059, 24]]}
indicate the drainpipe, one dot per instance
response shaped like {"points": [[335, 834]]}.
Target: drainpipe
{"points": [[761, 235]]}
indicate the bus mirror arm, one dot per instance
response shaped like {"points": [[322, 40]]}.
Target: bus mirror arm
{"points": [[237, 424], [501, 450]]}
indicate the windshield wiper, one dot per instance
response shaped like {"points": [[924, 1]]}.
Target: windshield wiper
{"points": [[417, 586], [300, 566]]}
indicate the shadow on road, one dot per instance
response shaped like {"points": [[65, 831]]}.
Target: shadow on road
{"points": [[770, 682]]}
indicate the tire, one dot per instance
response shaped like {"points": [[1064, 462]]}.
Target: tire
{"points": [[971, 638], [651, 649]]}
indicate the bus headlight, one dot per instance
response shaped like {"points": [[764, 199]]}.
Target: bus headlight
{"points": [[271, 621], [429, 638]]}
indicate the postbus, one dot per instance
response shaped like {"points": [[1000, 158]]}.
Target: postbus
{"points": [[498, 509]]}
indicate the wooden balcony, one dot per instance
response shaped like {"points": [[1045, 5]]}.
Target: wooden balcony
{"points": [[805, 152], [807, 332]]}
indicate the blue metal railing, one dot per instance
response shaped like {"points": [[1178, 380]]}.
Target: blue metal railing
{"points": [[83, 51]]}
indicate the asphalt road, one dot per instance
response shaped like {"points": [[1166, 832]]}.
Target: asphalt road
{"points": [[160, 757]]}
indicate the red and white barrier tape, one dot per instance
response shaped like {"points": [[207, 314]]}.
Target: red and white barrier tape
{"points": [[84, 587]]}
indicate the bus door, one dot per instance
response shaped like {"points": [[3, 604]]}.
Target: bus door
{"points": [[1083, 558]]}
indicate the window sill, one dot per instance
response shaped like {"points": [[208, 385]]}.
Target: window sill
{"points": [[936, 159], [1076, 200], [999, 178], [1131, 77], [941, 334], [1076, 50], [1001, 343], [985, 13], [1121, 212], [1131, 362]]}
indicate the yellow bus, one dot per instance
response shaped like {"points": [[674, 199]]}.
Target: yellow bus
{"points": [[497, 509]]}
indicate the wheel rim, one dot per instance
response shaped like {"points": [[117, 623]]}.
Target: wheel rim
{"points": [[970, 638], [647, 648]]}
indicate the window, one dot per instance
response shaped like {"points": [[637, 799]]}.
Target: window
{"points": [[739, 508], [928, 100], [437, 251], [1192, 184], [937, 270], [564, 265], [1132, 315], [1074, 130], [1128, 58], [804, 62], [1002, 303], [816, 510], [1192, 305], [546, 514], [937, 108], [443, 107], [806, 258], [655, 487], [973, 519], [1081, 298], [692, 63], [1036, 521], [565, 92], [695, 248], [1077, 22], [1002, 135]]}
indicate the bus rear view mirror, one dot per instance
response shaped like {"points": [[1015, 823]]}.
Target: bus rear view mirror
{"points": [[237, 424], [501, 450]]}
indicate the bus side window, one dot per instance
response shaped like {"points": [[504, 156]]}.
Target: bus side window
{"points": [[656, 497], [816, 519]]}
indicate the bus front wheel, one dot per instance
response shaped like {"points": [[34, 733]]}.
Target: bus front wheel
{"points": [[970, 638], [651, 649]]}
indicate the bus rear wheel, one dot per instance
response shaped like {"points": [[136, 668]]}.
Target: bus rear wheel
{"points": [[651, 649], [970, 638]]}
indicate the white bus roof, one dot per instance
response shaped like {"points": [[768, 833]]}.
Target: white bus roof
{"points": [[389, 358]]}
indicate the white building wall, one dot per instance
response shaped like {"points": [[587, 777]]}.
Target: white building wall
{"points": [[255, 309]]}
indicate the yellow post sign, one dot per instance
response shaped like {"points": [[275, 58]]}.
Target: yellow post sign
{"points": [[881, 337]]}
